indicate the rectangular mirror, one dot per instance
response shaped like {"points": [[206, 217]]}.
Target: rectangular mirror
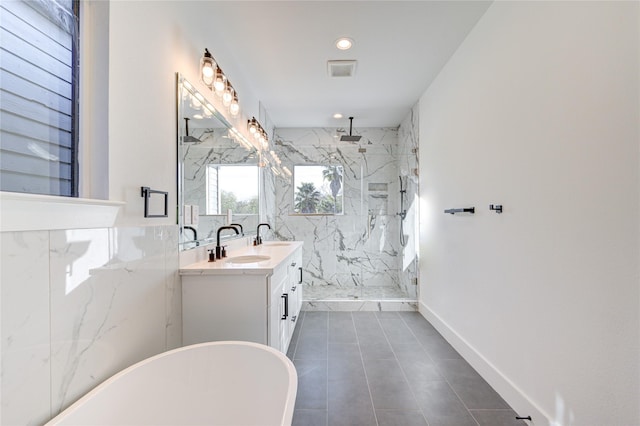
{"points": [[212, 161]]}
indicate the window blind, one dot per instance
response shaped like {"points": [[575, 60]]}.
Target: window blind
{"points": [[38, 97]]}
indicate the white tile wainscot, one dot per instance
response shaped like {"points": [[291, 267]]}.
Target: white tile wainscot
{"points": [[257, 301]]}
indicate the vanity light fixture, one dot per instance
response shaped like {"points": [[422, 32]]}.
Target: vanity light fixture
{"points": [[212, 75], [258, 132], [337, 115], [207, 68], [252, 125], [344, 43]]}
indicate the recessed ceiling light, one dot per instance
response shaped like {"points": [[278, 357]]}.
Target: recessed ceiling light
{"points": [[344, 43], [337, 115]]}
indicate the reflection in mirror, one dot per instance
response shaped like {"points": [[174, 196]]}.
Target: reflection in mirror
{"points": [[232, 188], [207, 142], [318, 189]]}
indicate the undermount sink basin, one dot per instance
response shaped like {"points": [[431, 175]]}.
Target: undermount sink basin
{"points": [[276, 243], [250, 258]]}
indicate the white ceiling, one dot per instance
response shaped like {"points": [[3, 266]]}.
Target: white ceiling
{"points": [[284, 46]]}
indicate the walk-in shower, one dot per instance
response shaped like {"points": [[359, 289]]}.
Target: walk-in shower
{"points": [[368, 252]]}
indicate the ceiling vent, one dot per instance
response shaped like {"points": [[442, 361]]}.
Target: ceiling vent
{"points": [[341, 68]]}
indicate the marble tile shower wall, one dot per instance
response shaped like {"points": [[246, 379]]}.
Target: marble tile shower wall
{"points": [[357, 255], [408, 145], [78, 306]]}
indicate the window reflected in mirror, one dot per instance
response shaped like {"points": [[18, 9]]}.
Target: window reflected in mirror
{"points": [[318, 189], [232, 187]]}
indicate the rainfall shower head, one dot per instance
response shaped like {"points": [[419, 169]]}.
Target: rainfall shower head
{"points": [[350, 137], [187, 138]]}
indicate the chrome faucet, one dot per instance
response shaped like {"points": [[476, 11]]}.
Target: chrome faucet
{"points": [[220, 252], [258, 239]]}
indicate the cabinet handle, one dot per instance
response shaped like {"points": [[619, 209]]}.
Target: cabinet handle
{"points": [[285, 296], [293, 264], [293, 288], [300, 282], [293, 318]]}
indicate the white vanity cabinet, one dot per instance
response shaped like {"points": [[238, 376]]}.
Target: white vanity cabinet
{"points": [[293, 294], [258, 302]]}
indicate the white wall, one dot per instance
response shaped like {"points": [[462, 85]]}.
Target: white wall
{"points": [[149, 41], [538, 111], [78, 305]]}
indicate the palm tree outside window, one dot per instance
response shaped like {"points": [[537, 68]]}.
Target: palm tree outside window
{"points": [[318, 190]]}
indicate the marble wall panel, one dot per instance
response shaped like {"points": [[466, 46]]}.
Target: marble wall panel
{"points": [[173, 287], [78, 306], [108, 305], [24, 320]]}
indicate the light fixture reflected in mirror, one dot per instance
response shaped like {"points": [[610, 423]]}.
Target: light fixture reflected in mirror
{"points": [[258, 133]]}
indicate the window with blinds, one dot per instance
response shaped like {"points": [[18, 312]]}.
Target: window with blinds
{"points": [[38, 96]]}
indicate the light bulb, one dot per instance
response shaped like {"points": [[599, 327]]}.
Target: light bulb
{"points": [[234, 108], [207, 74], [220, 82], [207, 69], [227, 95], [344, 43], [195, 103]]}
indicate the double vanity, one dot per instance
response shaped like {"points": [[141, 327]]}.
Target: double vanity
{"points": [[253, 294]]}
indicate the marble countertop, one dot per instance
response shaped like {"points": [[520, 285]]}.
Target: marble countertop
{"points": [[277, 251]]}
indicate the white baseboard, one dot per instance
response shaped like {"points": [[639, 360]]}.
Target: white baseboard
{"points": [[515, 397]]}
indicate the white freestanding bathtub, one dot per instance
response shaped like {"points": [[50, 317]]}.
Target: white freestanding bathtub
{"points": [[217, 383]]}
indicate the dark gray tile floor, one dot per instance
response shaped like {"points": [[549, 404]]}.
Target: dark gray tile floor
{"points": [[386, 368]]}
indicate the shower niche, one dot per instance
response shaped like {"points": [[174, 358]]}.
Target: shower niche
{"points": [[377, 198]]}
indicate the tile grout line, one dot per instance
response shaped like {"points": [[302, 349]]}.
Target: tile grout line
{"points": [[327, 373], [399, 365], [443, 377], [366, 377]]}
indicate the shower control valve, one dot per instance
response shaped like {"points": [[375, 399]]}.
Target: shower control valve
{"points": [[497, 208]]}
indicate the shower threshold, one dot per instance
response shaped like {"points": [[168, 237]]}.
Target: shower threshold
{"points": [[352, 305]]}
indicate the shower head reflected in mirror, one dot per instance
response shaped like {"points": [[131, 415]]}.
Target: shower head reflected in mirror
{"points": [[187, 138]]}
